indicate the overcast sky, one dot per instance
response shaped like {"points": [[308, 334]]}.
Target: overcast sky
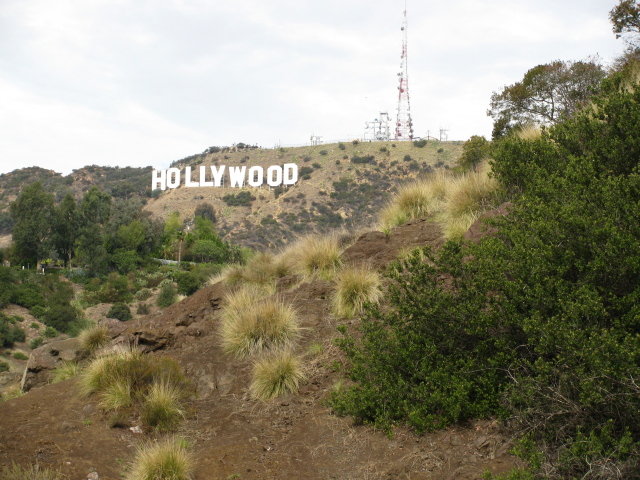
{"points": [[142, 82]]}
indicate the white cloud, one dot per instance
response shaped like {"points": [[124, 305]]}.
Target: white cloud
{"points": [[138, 83]]}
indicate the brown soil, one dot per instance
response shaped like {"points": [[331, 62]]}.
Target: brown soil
{"points": [[232, 436]]}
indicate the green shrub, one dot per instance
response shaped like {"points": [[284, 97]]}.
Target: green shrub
{"points": [[120, 311], [35, 343], [28, 295], [341, 146], [4, 366], [538, 324], [167, 295], [50, 332], [166, 459], [20, 356], [420, 143], [38, 311], [143, 309], [59, 317], [323, 152], [9, 333]]}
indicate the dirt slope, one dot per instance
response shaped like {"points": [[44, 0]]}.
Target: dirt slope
{"points": [[232, 436]]}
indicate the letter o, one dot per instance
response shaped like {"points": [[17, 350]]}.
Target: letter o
{"points": [[277, 181], [173, 178]]}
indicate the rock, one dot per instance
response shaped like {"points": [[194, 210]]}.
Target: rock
{"points": [[47, 357]]}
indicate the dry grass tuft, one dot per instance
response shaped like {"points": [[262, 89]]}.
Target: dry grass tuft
{"points": [[315, 255], [65, 371], [355, 286], [529, 132], [32, 472], [167, 459], [418, 199], [251, 325], [126, 377], [94, 338], [162, 406], [468, 196], [276, 375]]}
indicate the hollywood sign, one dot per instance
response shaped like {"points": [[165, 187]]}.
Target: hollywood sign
{"points": [[214, 176]]}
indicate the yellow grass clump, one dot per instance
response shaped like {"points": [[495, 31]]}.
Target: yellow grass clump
{"points": [[315, 255], [65, 370], [32, 472], [162, 406], [94, 338], [276, 375], [529, 132], [468, 195], [418, 199], [251, 325], [167, 459], [355, 286]]}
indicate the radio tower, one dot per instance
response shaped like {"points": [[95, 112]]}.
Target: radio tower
{"points": [[404, 127]]}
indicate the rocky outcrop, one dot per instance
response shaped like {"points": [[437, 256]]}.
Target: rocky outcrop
{"points": [[46, 358]]}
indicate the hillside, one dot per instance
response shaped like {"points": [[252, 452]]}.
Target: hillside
{"points": [[334, 191], [341, 185], [233, 436]]}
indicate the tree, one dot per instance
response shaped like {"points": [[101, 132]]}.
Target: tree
{"points": [[474, 151], [66, 225], [95, 211], [546, 94], [625, 18], [205, 210], [32, 213]]}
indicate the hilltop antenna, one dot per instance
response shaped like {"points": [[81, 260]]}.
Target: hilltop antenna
{"points": [[404, 126]]}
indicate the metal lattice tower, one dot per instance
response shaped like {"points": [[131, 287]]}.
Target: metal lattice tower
{"points": [[404, 126]]}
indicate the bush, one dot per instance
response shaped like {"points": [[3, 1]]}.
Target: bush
{"points": [[65, 371], [38, 311], [276, 375], [251, 326], [59, 317], [4, 366], [166, 459], [9, 333], [167, 295], [120, 311], [50, 332], [420, 143], [20, 356], [341, 146], [143, 309], [315, 255], [35, 343], [323, 152]]}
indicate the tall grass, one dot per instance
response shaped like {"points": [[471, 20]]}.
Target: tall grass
{"points": [[276, 375], [251, 325], [167, 459], [65, 371], [418, 199], [453, 201], [162, 407], [355, 286], [315, 255], [467, 196], [32, 472], [94, 338], [126, 377]]}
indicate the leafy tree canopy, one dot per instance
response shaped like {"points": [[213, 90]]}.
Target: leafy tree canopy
{"points": [[625, 18], [546, 94]]}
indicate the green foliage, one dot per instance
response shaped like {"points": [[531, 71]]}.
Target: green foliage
{"points": [[206, 211], [539, 323], [341, 146], [4, 366], [364, 159], [33, 472], [59, 317], [20, 356], [323, 152], [474, 151], [625, 18], [120, 311], [547, 93], [50, 332], [167, 295], [35, 343], [420, 143], [240, 199], [9, 333]]}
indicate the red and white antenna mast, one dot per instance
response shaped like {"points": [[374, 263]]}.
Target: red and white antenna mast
{"points": [[404, 126]]}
